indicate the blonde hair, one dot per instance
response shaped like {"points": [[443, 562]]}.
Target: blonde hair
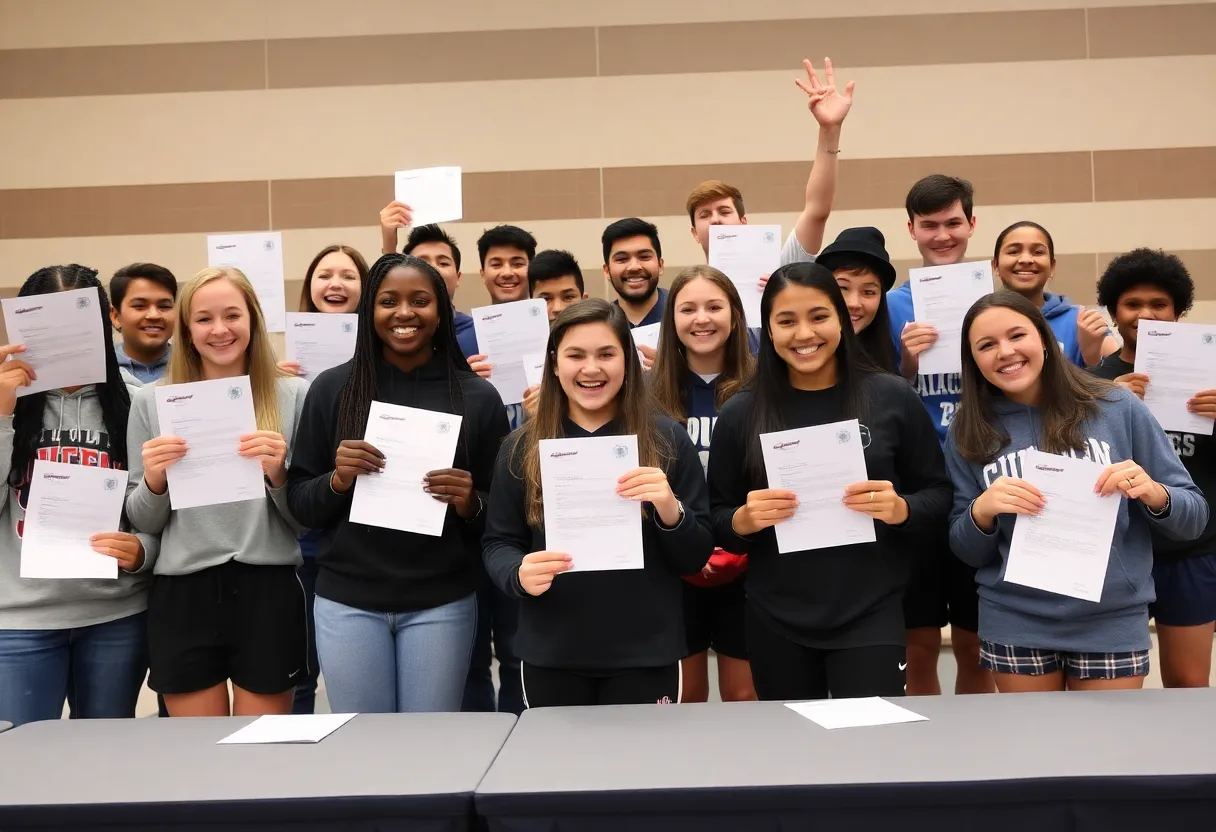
{"points": [[710, 191], [185, 363]]}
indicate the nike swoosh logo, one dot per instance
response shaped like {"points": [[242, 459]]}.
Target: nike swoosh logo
{"points": [[903, 665], [296, 673]]}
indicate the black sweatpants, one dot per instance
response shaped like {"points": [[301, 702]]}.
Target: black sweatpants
{"points": [[783, 670], [546, 687]]}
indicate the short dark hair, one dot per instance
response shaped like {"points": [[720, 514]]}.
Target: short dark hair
{"points": [[937, 192], [121, 281], [630, 227], [506, 236], [1146, 266], [1000, 238], [552, 264], [431, 234]]}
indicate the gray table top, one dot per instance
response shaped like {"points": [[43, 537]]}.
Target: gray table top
{"points": [[79, 762], [766, 745]]}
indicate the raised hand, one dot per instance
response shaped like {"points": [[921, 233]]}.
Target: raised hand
{"points": [[1091, 332], [827, 105], [1136, 382], [480, 364]]}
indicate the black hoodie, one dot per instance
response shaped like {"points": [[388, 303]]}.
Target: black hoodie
{"points": [[386, 570]]}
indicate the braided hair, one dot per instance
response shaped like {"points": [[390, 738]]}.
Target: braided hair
{"points": [[113, 394], [360, 388]]}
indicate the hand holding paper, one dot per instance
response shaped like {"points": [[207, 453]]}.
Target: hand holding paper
{"points": [[1179, 360], [14, 375], [61, 336], [941, 296], [432, 194]]}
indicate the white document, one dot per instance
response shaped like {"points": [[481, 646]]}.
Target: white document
{"points": [[1066, 548], [211, 416], [278, 729], [584, 516], [941, 296], [319, 341], [854, 713], [746, 253], [816, 463], [260, 258], [434, 194], [67, 505], [534, 368], [646, 336], [414, 443], [1180, 361], [64, 338], [509, 333]]}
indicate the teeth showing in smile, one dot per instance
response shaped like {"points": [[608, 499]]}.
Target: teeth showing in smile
{"points": [[807, 350], [404, 331], [1012, 368], [703, 333], [590, 385], [219, 345]]}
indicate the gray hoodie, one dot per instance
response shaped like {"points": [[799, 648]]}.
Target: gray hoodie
{"points": [[259, 532], [73, 431]]}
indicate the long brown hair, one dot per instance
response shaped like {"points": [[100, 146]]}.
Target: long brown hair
{"points": [[306, 301], [636, 412], [1069, 397], [185, 363], [669, 376]]}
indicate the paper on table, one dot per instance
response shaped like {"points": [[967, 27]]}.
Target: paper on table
{"points": [[746, 253], [941, 296], [64, 338], [508, 333], [434, 194], [1180, 361], [1066, 548], [260, 258], [816, 463], [584, 516], [67, 505], [854, 713], [287, 728], [211, 416], [319, 341], [414, 443], [646, 336], [534, 368]]}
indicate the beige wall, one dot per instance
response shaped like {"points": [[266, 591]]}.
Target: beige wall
{"points": [[132, 128]]}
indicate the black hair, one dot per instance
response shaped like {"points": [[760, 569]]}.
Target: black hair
{"points": [[506, 236], [1000, 238], [1146, 266], [938, 192], [361, 388], [121, 281], [875, 339], [432, 234], [113, 395], [552, 264], [630, 227], [771, 389]]}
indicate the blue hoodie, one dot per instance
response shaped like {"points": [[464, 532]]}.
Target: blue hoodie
{"points": [[1020, 616], [1061, 316]]}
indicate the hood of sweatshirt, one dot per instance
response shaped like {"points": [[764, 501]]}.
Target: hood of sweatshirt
{"points": [[1055, 306]]}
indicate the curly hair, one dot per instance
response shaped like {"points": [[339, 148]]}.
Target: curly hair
{"points": [[1146, 266]]}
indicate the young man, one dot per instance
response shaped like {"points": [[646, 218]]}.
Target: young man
{"points": [[555, 277], [942, 588], [717, 203], [433, 245], [141, 309], [1147, 285], [633, 264]]}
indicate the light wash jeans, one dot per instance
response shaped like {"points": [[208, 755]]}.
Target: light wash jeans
{"points": [[98, 669], [403, 662]]}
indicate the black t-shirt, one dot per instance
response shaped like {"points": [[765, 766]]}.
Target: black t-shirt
{"points": [[1198, 455]]}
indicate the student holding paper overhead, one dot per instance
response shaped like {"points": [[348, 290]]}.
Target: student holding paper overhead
{"points": [[1024, 259], [599, 637], [704, 358], [828, 621], [395, 610], [225, 603], [1147, 285], [1020, 392], [80, 640]]}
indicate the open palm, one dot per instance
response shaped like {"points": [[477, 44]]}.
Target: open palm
{"points": [[828, 106]]}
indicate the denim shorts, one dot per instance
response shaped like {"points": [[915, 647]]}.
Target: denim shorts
{"points": [[1028, 661]]}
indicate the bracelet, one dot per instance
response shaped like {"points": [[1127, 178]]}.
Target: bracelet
{"points": [[835, 152], [1165, 509]]}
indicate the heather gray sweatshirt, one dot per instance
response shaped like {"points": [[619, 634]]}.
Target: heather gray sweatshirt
{"points": [[259, 532], [73, 431]]}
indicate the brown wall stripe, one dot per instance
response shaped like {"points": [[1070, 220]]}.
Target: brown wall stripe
{"points": [[908, 40], [522, 196]]}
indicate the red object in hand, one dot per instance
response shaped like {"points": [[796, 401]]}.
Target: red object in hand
{"points": [[725, 568]]}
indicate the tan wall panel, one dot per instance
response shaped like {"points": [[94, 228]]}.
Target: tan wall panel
{"points": [[1152, 30], [1182, 173]]}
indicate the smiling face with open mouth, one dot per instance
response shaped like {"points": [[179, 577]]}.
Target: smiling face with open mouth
{"points": [[1024, 263], [805, 331], [506, 274], [405, 316], [334, 287], [634, 269], [145, 317], [1009, 353], [591, 370], [702, 317], [942, 237], [862, 293], [219, 328]]}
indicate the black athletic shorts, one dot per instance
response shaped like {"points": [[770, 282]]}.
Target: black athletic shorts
{"points": [[232, 621], [714, 617], [941, 588], [546, 687]]}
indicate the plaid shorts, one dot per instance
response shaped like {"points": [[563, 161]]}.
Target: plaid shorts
{"points": [[1028, 661]]}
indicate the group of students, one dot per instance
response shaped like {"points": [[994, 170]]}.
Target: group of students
{"points": [[216, 596]]}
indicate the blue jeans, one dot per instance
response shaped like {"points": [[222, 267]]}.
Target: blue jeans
{"points": [[497, 621], [405, 662], [306, 692], [101, 668]]}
